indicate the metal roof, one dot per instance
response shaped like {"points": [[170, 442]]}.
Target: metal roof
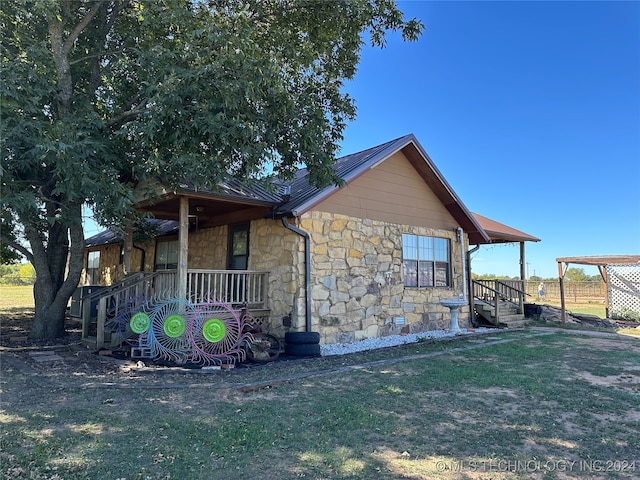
{"points": [[163, 228], [501, 233], [303, 196]]}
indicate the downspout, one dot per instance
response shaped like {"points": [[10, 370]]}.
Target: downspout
{"points": [[469, 284], [464, 266], [307, 269]]}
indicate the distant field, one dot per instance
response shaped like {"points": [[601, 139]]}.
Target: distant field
{"points": [[583, 305], [13, 298]]}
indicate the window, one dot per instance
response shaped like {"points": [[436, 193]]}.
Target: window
{"points": [[167, 255], [93, 265], [426, 261], [238, 247]]}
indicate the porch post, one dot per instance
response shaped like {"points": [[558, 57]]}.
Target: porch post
{"points": [[127, 247], [561, 271], [523, 278], [603, 274], [183, 253]]}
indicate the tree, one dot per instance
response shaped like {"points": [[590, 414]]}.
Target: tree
{"points": [[576, 275], [8, 255], [97, 95]]}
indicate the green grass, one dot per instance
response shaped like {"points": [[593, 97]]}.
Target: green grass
{"points": [[591, 307], [536, 398], [15, 298]]}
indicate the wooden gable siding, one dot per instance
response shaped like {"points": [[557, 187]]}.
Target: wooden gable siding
{"points": [[393, 192]]}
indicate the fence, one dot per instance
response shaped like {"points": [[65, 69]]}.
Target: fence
{"points": [[624, 289], [573, 291], [16, 280]]}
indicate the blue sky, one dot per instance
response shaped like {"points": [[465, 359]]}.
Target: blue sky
{"points": [[531, 111]]}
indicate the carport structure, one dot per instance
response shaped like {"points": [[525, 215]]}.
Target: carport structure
{"points": [[597, 261]]}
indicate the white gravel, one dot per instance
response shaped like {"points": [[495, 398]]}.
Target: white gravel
{"points": [[391, 341]]}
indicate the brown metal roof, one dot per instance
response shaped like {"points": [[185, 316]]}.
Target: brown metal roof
{"points": [[501, 233], [304, 196], [259, 201], [601, 260]]}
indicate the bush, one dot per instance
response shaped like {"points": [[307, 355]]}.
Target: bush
{"points": [[626, 314], [17, 274]]}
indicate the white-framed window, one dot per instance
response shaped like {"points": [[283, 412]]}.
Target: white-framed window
{"points": [[426, 261], [93, 268], [166, 255]]}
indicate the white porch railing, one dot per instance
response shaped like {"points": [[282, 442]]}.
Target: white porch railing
{"points": [[235, 287], [230, 286]]}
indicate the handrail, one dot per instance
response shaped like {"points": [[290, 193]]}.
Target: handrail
{"points": [[235, 287], [501, 290], [133, 278]]}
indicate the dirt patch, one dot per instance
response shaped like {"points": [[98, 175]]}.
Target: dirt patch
{"points": [[57, 357]]}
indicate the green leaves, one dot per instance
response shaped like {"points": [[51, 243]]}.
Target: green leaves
{"points": [[214, 90], [97, 96]]}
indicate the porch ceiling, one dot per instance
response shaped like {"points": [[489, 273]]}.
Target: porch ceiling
{"points": [[204, 210]]}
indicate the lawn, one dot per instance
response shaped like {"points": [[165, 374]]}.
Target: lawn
{"points": [[583, 305], [537, 403], [15, 297]]}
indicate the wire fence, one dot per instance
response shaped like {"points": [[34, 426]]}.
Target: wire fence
{"points": [[16, 280], [573, 291]]}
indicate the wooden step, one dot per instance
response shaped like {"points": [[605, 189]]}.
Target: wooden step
{"points": [[513, 321]]}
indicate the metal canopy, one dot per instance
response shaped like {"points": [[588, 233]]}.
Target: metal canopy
{"points": [[601, 262]]}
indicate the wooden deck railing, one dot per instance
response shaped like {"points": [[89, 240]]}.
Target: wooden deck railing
{"points": [[236, 287], [495, 291]]}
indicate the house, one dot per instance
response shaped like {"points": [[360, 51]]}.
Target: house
{"points": [[371, 258]]}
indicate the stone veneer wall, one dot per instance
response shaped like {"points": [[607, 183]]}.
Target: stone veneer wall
{"points": [[110, 269], [207, 248], [280, 251], [353, 296]]}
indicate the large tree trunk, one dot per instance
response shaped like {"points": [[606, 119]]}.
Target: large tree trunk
{"points": [[59, 253]]}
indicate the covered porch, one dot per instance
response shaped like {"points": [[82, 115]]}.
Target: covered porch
{"points": [[500, 302], [217, 271]]}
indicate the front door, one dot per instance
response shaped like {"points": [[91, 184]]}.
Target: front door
{"points": [[238, 247], [238, 260]]}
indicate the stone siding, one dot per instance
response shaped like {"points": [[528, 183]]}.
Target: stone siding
{"points": [[208, 248], [357, 286], [279, 251]]}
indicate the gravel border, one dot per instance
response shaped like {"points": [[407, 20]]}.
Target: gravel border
{"points": [[392, 341]]}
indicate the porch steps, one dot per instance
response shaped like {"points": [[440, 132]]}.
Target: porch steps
{"points": [[509, 315], [513, 321]]}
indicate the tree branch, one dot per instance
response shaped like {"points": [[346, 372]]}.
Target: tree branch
{"points": [[16, 246], [73, 36], [128, 114], [120, 6]]}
